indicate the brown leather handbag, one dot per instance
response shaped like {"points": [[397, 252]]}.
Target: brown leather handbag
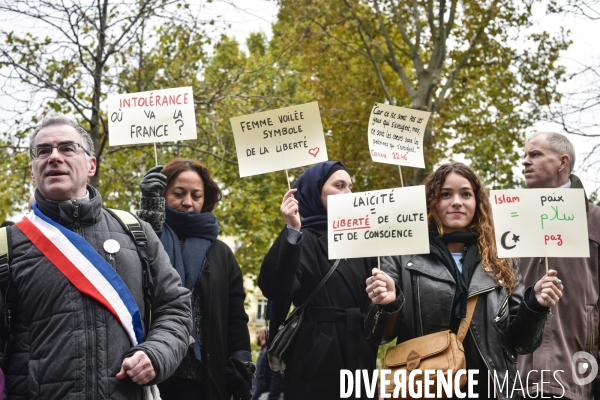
{"points": [[436, 351]]}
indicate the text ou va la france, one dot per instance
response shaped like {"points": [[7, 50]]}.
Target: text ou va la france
{"points": [[289, 117], [153, 100]]}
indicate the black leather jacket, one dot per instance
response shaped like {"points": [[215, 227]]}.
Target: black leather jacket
{"points": [[501, 326]]}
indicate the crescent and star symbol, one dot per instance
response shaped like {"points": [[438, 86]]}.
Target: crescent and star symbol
{"points": [[515, 239]]}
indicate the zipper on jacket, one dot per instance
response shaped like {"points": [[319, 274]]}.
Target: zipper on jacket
{"points": [[477, 343], [502, 309], [375, 319], [90, 331], [419, 300], [590, 318], [90, 362], [76, 206], [489, 370]]}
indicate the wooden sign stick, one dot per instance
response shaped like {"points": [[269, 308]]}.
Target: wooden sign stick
{"points": [[401, 181]]}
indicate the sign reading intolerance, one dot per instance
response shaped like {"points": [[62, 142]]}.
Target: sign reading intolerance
{"points": [[151, 117], [377, 223], [279, 139], [396, 135], [540, 223]]}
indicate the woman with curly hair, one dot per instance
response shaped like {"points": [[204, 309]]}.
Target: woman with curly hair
{"points": [[462, 263]]}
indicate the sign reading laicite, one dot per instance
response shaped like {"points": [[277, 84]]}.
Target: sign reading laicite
{"points": [[540, 223], [396, 135], [157, 116], [279, 139], [377, 223]]}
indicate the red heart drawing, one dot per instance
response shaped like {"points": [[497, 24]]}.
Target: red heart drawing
{"points": [[314, 151]]}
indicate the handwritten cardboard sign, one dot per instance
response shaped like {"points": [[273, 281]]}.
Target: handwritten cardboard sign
{"points": [[163, 115], [279, 139], [540, 223], [396, 135], [377, 223]]}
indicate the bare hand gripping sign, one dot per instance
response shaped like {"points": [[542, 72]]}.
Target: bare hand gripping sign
{"points": [[540, 223], [279, 139], [396, 135], [377, 223], [151, 117]]}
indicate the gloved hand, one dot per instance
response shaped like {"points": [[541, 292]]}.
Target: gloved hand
{"points": [[239, 377], [153, 183]]}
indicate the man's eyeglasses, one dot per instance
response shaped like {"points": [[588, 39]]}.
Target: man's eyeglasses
{"points": [[68, 149]]}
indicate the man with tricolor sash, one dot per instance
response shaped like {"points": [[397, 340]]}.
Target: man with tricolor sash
{"points": [[80, 294]]}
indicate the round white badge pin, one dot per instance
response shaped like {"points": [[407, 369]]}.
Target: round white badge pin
{"points": [[111, 246]]}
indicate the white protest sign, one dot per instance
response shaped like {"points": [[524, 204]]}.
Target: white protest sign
{"points": [[396, 135], [377, 223], [163, 115], [540, 223], [279, 139]]}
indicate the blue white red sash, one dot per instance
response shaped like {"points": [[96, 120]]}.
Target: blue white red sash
{"points": [[85, 268]]}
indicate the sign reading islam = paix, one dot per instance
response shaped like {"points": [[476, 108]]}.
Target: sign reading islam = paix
{"points": [[540, 223], [279, 139], [396, 135], [156, 116], [377, 223]]}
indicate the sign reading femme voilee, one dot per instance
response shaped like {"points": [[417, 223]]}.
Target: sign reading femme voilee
{"points": [[279, 139], [540, 223], [396, 135], [165, 115], [377, 223]]}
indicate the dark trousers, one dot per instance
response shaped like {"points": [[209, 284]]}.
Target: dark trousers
{"points": [[176, 388]]}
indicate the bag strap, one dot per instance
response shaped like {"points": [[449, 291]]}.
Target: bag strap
{"points": [[466, 321], [299, 309], [133, 227], [5, 258]]}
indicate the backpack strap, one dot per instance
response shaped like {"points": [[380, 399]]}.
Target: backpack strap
{"points": [[5, 258], [133, 227]]}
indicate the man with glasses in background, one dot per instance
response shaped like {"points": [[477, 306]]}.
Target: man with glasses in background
{"points": [[77, 289]]}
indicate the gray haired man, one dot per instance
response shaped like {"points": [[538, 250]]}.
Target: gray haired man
{"points": [[76, 292], [563, 365]]}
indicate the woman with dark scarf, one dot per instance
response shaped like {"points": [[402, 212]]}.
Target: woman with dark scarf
{"points": [[177, 201], [463, 262], [331, 336]]}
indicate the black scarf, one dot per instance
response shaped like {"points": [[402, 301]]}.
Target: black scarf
{"points": [[469, 260], [198, 231]]}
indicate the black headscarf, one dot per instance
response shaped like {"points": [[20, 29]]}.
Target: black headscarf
{"points": [[463, 279], [309, 186]]}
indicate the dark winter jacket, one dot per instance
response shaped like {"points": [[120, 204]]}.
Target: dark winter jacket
{"points": [[574, 325], [501, 326], [67, 345], [331, 336], [224, 322]]}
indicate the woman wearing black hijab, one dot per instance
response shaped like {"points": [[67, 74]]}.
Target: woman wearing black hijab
{"points": [[331, 336]]}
